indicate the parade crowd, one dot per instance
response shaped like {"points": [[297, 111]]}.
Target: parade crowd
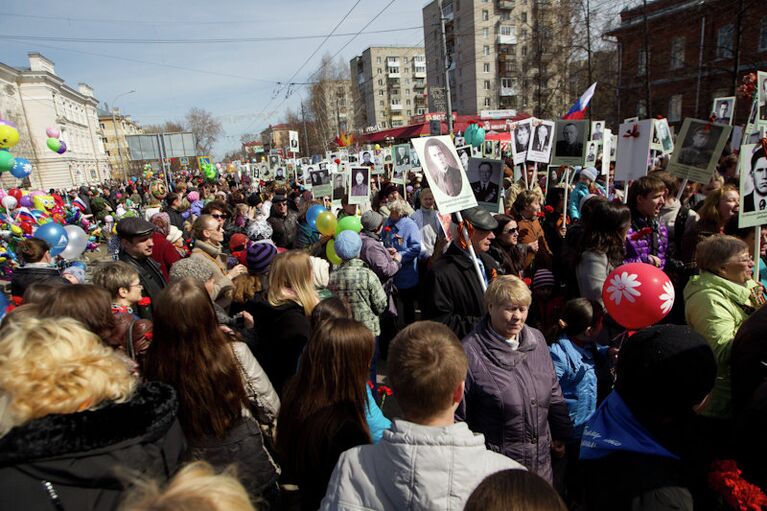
{"points": [[223, 360]]}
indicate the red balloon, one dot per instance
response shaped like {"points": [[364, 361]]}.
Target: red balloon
{"points": [[15, 193], [638, 295]]}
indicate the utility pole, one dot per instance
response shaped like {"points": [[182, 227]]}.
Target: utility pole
{"points": [[449, 101], [306, 135], [588, 50], [648, 94]]}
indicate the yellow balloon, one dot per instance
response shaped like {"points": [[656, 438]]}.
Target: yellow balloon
{"points": [[330, 251], [15, 229], [326, 223], [9, 136], [377, 147]]}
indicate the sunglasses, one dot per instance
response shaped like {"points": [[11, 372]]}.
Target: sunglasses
{"points": [[515, 230], [218, 217]]}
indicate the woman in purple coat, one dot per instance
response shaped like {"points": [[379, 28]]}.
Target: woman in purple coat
{"points": [[512, 393]]}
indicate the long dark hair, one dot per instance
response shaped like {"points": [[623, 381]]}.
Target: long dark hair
{"points": [[510, 258], [192, 354], [334, 371], [603, 232], [578, 315]]}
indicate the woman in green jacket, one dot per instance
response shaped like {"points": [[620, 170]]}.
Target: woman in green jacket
{"points": [[717, 302]]}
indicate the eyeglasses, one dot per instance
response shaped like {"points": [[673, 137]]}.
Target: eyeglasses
{"points": [[137, 284]]}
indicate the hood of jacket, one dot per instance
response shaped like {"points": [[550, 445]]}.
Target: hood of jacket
{"points": [[707, 282], [422, 467], [82, 449], [262, 308]]}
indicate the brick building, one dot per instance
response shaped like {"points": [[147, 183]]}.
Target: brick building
{"points": [[690, 51]]}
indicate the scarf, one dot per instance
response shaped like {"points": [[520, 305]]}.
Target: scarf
{"points": [[212, 252], [613, 428]]}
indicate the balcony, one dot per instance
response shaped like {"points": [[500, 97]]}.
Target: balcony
{"points": [[419, 84], [505, 4], [360, 78], [396, 107], [393, 72], [506, 39], [509, 91], [392, 63], [419, 72]]}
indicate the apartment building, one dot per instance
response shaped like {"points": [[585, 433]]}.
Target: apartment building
{"points": [[389, 85], [501, 55], [114, 128]]}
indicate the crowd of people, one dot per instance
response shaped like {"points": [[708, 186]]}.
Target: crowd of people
{"points": [[220, 360]]}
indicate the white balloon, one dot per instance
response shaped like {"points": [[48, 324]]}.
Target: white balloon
{"points": [[78, 242], [10, 202]]}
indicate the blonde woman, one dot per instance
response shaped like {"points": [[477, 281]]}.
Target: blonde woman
{"points": [[71, 412], [209, 235], [281, 315]]}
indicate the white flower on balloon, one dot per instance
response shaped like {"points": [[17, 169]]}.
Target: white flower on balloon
{"points": [[667, 297], [624, 286]]}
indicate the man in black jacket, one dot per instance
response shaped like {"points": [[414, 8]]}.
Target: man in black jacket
{"points": [[136, 249], [453, 285]]}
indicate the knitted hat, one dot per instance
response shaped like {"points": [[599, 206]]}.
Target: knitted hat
{"points": [[665, 370], [260, 256], [371, 220], [193, 196], [174, 234], [590, 172], [348, 245], [77, 272], [237, 242], [193, 267], [320, 272], [543, 278]]}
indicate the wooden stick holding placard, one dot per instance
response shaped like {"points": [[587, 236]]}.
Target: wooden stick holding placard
{"points": [[757, 251], [681, 189], [524, 175], [567, 189], [474, 260]]}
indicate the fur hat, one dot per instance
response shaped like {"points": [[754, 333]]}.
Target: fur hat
{"points": [[192, 267]]}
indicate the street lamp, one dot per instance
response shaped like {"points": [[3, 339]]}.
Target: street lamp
{"points": [[117, 139]]}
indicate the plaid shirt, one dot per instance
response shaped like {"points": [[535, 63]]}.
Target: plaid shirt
{"points": [[361, 290]]}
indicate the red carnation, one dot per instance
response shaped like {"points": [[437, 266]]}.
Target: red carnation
{"points": [[145, 302], [528, 281], [540, 214], [548, 209]]}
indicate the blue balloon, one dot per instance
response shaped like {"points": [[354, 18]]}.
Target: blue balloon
{"points": [[22, 169], [54, 235], [312, 214]]}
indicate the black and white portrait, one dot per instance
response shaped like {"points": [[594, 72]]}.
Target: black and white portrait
{"points": [[722, 110], [591, 153], [761, 80], [323, 165], [414, 162], [756, 200], [662, 137], [442, 168], [597, 130], [366, 158], [540, 144], [360, 185], [464, 154], [522, 133], [274, 161], [401, 155], [698, 144], [319, 177], [485, 178], [279, 174], [339, 186], [570, 145], [352, 158]]}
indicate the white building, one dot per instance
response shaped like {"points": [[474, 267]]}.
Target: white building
{"points": [[35, 98]]}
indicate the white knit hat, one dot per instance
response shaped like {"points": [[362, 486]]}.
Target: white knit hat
{"points": [[174, 235]]}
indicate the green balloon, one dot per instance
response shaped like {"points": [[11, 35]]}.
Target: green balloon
{"points": [[54, 144], [349, 223], [7, 161]]}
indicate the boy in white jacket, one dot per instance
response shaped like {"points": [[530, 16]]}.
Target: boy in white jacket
{"points": [[425, 461]]}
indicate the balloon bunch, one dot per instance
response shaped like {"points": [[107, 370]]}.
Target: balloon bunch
{"points": [[9, 137], [148, 173], [210, 172], [54, 143], [325, 222], [474, 135]]}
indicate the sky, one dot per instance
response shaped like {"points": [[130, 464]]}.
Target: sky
{"points": [[235, 79]]}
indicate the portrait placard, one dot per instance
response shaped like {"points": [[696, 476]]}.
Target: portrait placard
{"points": [[570, 147], [723, 109], [444, 172], [753, 186], [321, 185], [606, 150], [464, 154], [486, 181], [592, 147], [697, 151], [597, 131], [359, 187], [661, 137], [340, 180], [633, 150], [293, 141], [540, 143], [761, 87]]}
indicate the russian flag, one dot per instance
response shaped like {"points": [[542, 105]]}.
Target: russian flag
{"points": [[578, 110]]}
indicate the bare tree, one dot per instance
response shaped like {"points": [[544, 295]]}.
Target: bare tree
{"points": [[166, 127], [205, 127]]}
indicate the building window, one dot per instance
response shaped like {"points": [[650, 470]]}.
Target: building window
{"points": [[409, 113], [642, 63], [724, 39], [505, 15], [485, 32], [378, 60], [407, 102], [677, 52], [506, 30], [485, 15], [381, 103], [380, 71], [485, 67], [524, 51], [641, 109], [380, 82], [485, 50], [487, 85], [524, 17], [524, 34], [763, 35], [675, 108], [487, 101], [381, 92]]}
